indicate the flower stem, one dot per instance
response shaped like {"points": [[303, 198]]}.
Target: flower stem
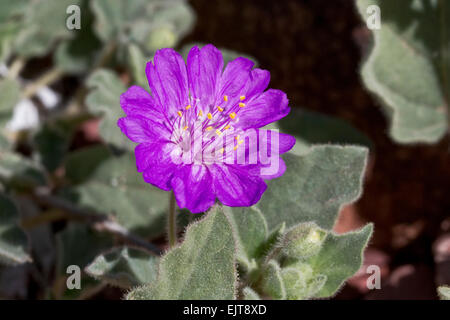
{"points": [[172, 221]]}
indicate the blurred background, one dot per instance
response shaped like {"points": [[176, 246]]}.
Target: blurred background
{"points": [[314, 50]]}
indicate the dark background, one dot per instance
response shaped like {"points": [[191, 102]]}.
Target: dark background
{"points": [[313, 49]]}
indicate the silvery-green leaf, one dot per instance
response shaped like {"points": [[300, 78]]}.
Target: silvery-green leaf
{"points": [[201, 267], [124, 267], [81, 52], [151, 24], [272, 281], [10, 92], [340, 257], [138, 62], [250, 229], [250, 294], [314, 186], [44, 23], [408, 68], [13, 241], [111, 185], [104, 100], [310, 128], [20, 172]]}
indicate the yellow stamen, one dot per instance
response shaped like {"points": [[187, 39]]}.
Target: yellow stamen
{"points": [[209, 128], [237, 137], [188, 107], [200, 113], [225, 98], [218, 132], [219, 108], [242, 98], [233, 115], [222, 150], [226, 127], [185, 128], [180, 113], [209, 115], [235, 147], [240, 142], [241, 104]]}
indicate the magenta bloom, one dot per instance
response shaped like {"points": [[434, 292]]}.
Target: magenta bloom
{"points": [[198, 132]]}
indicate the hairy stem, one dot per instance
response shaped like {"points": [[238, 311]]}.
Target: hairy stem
{"points": [[172, 222]]}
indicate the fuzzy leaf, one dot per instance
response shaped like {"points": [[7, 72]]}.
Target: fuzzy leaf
{"points": [[272, 281], [340, 257], [202, 267], [314, 186], [20, 172], [310, 128], [152, 24], [124, 267], [250, 294], [250, 229], [111, 185], [44, 24], [137, 62], [104, 100], [13, 241], [79, 54], [409, 67], [10, 90]]}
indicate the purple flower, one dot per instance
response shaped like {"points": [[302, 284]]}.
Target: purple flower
{"points": [[199, 134]]}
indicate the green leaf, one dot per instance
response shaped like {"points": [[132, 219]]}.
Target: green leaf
{"points": [[311, 128], [104, 100], [314, 186], [152, 24], [138, 62], [111, 185], [124, 267], [10, 25], [44, 24], [53, 140], [444, 292], [10, 90], [80, 53], [409, 67], [202, 267], [78, 245], [340, 257], [20, 172], [272, 281], [13, 241], [301, 282], [250, 230], [250, 294]]}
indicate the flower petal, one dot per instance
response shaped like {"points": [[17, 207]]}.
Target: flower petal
{"points": [[141, 129], [234, 80], [258, 82], [167, 78], [137, 101], [236, 187], [192, 188], [268, 107], [204, 68], [154, 160]]}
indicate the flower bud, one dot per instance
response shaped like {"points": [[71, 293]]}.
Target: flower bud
{"points": [[303, 241]]}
